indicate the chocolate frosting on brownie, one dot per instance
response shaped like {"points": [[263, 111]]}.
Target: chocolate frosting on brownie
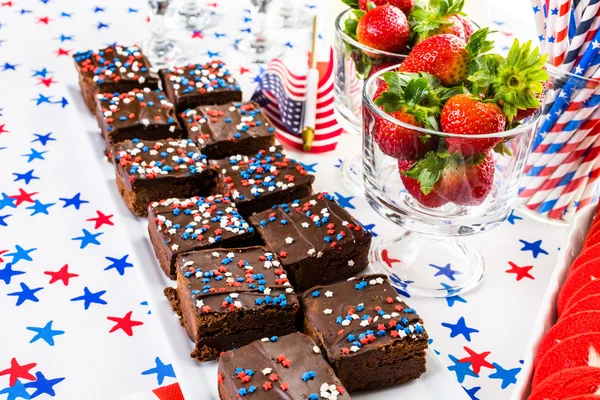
{"points": [[308, 227], [270, 171], [116, 65], [231, 122], [137, 109], [147, 159], [224, 280], [291, 367], [360, 314], [197, 222]]}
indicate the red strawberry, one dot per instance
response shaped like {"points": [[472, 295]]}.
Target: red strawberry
{"points": [[467, 26], [465, 115], [467, 183], [413, 187], [400, 142], [453, 26], [406, 6], [384, 28], [446, 56], [443, 17]]}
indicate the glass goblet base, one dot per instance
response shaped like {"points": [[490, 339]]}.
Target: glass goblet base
{"points": [[352, 173], [192, 19], [260, 50], [163, 53], [427, 265]]}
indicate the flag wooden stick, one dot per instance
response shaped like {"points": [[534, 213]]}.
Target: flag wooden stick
{"points": [[310, 104]]}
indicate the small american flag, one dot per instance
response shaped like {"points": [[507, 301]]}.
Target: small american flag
{"points": [[281, 94]]}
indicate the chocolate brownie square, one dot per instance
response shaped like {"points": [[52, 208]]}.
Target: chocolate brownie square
{"points": [[371, 338], [141, 113], [179, 226], [149, 171], [228, 298], [229, 129], [317, 241], [263, 180], [289, 368], [198, 84], [113, 69]]}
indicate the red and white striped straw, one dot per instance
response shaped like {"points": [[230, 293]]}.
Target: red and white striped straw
{"points": [[558, 30]]}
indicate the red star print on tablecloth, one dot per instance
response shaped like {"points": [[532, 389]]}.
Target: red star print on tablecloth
{"points": [[522, 272], [244, 70], [43, 20], [386, 258], [17, 371], [2, 130], [101, 219], [62, 274], [23, 196], [212, 5], [125, 324], [7, 4], [477, 360], [169, 392], [197, 35], [46, 81], [2, 252], [63, 52]]}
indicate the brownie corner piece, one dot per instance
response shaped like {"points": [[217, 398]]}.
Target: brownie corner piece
{"points": [[370, 336], [231, 297], [148, 171], [113, 69], [317, 240], [290, 367], [229, 129], [193, 85], [139, 113], [264, 179], [178, 226]]}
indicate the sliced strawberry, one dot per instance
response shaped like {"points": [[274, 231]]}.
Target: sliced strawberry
{"points": [[413, 187], [406, 6], [465, 115], [384, 28]]}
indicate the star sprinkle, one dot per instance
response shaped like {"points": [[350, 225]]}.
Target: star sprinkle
{"points": [[17, 371], [43, 385], [74, 201], [62, 274], [7, 273], [25, 294], [460, 328], [45, 333], [89, 297], [119, 264], [101, 219], [161, 370], [88, 238], [521, 272], [125, 324], [534, 247]]}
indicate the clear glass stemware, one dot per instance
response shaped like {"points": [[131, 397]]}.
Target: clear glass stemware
{"points": [[192, 15], [257, 46], [162, 50]]}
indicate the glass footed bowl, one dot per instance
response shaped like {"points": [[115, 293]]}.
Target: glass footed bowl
{"points": [[483, 197]]}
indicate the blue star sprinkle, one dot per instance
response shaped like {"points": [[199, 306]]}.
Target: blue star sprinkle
{"points": [[447, 271], [534, 247], [42, 99], [461, 369], [512, 218], [7, 273], [27, 177], [42, 72], [7, 201], [16, 391], [471, 392], [508, 376], [25, 294], [43, 385], [344, 202], [460, 328], [88, 298], [7, 66], [20, 254], [119, 264], [40, 208], [43, 139], [74, 201], [45, 333], [161, 370], [309, 167], [35, 155], [88, 238]]}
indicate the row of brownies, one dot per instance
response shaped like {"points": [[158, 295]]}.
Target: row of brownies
{"points": [[236, 223]]}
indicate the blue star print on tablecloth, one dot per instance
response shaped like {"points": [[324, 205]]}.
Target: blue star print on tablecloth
{"points": [[20, 254], [446, 271], [161, 370], [512, 218], [26, 294], [74, 201], [45, 333], [460, 328], [7, 273], [119, 264], [65, 38], [7, 201], [309, 167], [88, 238], [16, 391], [508, 376], [344, 202], [43, 139], [42, 385], [41, 99], [3, 219], [89, 297], [534, 247], [34, 155], [42, 73], [102, 25], [461, 369], [452, 296], [471, 392], [27, 177], [9, 67], [40, 208]]}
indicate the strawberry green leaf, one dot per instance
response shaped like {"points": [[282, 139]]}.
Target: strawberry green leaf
{"points": [[426, 21], [371, 5], [416, 91], [479, 43], [427, 171], [351, 3], [502, 149]]}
